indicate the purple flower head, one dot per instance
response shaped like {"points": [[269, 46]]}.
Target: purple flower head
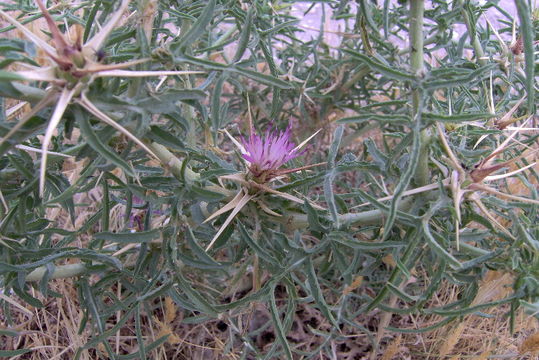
{"points": [[267, 154]]}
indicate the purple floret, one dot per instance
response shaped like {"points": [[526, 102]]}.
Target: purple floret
{"points": [[267, 154]]}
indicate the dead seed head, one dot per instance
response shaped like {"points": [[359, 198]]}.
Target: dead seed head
{"points": [[530, 345]]}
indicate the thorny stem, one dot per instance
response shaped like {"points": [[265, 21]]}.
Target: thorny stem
{"points": [[417, 8]]}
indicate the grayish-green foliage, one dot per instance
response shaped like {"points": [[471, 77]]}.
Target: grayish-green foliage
{"points": [[310, 255]]}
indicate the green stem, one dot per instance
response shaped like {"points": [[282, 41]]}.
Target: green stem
{"points": [[474, 39], [371, 217], [61, 271], [173, 163], [175, 166], [417, 8]]}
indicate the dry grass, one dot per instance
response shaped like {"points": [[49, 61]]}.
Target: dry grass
{"points": [[53, 331], [477, 336]]}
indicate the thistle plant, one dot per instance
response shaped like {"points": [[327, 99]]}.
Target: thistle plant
{"points": [[384, 171]]}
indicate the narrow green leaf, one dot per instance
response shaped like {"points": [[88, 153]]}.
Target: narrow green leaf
{"points": [[437, 248], [262, 78], [110, 332], [8, 332], [435, 281], [105, 215], [165, 138], [406, 177], [524, 235], [198, 299], [365, 245], [332, 154], [205, 194], [199, 250], [255, 75], [77, 185], [385, 18], [10, 76], [328, 181], [90, 21], [383, 69], [18, 352], [129, 237], [244, 36], [7, 89], [279, 27], [413, 237], [423, 329], [259, 250], [470, 309], [149, 348], [86, 254], [27, 297], [216, 104], [330, 198], [207, 64], [366, 10], [476, 75], [11, 45], [457, 117], [197, 264], [278, 325], [138, 333], [21, 166], [316, 292], [385, 208], [401, 294], [199, 27], [167, 101], [382, 118], [95, 142], [268, 55], [313, 218]]}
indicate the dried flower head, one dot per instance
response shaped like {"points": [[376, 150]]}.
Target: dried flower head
{"points": [[530, 345], [74, 66], [267, 154]]}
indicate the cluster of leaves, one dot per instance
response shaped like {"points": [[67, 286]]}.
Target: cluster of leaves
{"points": [[253, 64]]}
